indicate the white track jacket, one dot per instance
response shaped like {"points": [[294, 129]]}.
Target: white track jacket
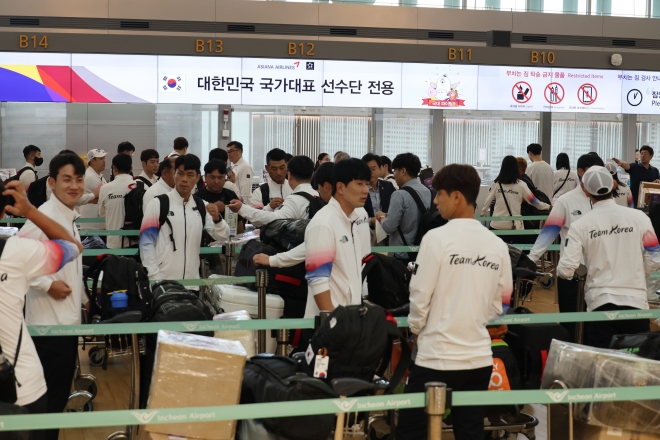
{"points": [[336, 245], [620, 249], [462, 280], [293, 207], [156, 248]]}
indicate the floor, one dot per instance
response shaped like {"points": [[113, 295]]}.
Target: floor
{"points": [[113, 383]]}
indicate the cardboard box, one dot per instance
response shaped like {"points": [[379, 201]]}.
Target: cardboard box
{"points": [[582, 431], [146, 435], [193, 371], [645, 191]]}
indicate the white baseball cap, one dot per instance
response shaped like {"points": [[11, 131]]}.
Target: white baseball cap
{"points": [[611, 167], [91, 154], [598, 181]]}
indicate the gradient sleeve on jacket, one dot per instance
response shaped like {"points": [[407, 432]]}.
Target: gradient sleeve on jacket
{"points": [[260, 217], [149, 237], [528, 196], [629, 199], [289, 258], [651, 251], [30, 230], [573, 253], [320, 256], [42, 257], [256, 201], [556, 220], [502, 302], [422, 284]]}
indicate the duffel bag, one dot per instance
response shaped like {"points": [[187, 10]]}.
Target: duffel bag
{"points": [[646, 345], [269, 378]]}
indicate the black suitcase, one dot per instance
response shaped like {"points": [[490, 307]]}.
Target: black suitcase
{"points": [[287, 282], [530, 343]]}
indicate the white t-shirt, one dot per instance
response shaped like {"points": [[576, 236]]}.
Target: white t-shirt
{"points": [[22, 260], [559, 188], [624, 196], [542, 175], [93, 181], [463, 280], [516, 194], [27, 176], [111, 206]]}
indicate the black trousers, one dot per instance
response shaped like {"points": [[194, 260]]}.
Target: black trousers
{"points": [[58, 359], [468, 421], [599, 334], [567, 292], [39, 406]]}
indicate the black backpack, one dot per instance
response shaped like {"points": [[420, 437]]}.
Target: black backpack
{"points": [[269, 378], [284, 234], [646, 345], [17, 176], [526, 209], [426, 177], [287, 282], [119, 274], [315, 203], [430, 218], [144, 180], [265, 193], [171, 303], [358, 340], [165, 210], [36, 193], [133, 207], [388, 280]]}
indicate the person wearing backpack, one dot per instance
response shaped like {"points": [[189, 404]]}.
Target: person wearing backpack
{"points": [[323, 176], [461, 280], [43, 247], [171, 233], [403, 218], [304, 202], [337, 239], [33, 159], [111, 199], [270, 195]]}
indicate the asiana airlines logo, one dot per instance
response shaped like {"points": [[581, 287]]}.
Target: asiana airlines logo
{"points": [[455, 260]]}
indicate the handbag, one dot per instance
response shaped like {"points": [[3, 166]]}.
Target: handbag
{"points": [[8, 380], [513, 222]]}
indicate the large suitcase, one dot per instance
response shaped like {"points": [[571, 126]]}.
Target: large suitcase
{"points": [[231, 298], [530, 343]]}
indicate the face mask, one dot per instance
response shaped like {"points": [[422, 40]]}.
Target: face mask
{"points": [[38, 161]]}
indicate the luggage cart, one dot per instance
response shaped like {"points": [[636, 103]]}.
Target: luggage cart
{"points": [[130, 433]]}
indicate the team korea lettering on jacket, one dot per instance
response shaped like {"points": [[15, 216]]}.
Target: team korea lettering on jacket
{"points": [[614, 230], [456, 259]]}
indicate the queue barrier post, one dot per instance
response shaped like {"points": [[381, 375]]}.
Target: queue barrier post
{"points": [[436, 402], [230, 253], [282, 341], [581, 275], [262, 284], [560, 417]]}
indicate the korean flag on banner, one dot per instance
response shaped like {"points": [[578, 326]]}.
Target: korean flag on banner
{"points": [[172, 83]]}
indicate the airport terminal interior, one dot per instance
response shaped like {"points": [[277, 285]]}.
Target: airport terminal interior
{"points": [[451, 81]]}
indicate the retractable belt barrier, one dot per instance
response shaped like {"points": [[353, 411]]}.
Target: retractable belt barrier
{"points": [[276, 324], [314, 407]]}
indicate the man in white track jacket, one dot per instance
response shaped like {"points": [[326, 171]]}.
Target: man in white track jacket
{"points": [[170, 249]]}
